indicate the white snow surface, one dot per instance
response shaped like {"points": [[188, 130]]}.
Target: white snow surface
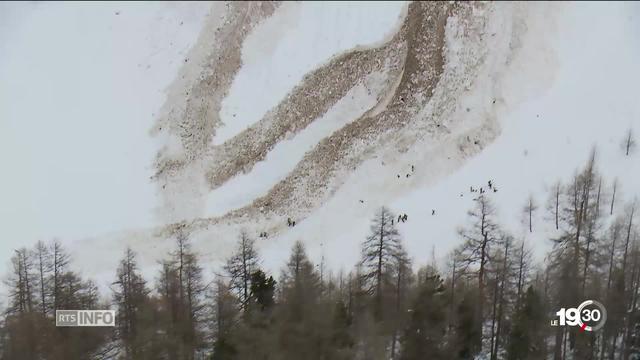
{"points": [[79, 86], [571, 84], [299, 37]]}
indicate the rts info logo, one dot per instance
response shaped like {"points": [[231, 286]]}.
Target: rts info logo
{"points": [[85, 318]]}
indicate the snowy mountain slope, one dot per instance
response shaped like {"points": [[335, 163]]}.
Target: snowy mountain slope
{"points": [[189, 157], [521, 73], [253, 144], [80, 84], [408, 114], [399, 105]]}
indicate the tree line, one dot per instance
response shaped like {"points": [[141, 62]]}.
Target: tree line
{"points": [[490, 301]]}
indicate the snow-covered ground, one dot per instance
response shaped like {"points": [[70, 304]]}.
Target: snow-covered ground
{"points": [[572, 86], [79, 86], [75, 107]]}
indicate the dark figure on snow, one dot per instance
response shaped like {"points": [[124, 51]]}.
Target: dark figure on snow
{"points": [[495, 189], [290, 223], [412, 168], [404, 218], [399, 218], [490, 184], [433, 212]]}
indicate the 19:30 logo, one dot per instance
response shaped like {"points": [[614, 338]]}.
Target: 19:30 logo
{"points": [[591, 315]]}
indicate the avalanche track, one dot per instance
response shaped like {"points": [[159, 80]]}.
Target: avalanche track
{"points": [[405, 113]]}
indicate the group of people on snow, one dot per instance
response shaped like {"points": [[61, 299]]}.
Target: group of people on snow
{"points": [[290, 223], [402, 217], [413, 169], [482, 190]]}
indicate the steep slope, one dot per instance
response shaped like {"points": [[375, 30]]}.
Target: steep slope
{"points": [[460, 94], [413, 103], [80, 86], [417, 72]]}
